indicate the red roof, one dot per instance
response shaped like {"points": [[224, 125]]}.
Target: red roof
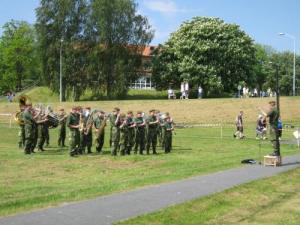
{"points": [[148, 51]]}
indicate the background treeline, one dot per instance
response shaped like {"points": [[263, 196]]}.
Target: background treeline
{"points": [[101, 43]]}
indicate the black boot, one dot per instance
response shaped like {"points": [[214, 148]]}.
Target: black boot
{"points": [[89, 151]]}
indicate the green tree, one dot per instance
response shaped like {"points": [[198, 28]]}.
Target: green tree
{"points": [[61, 24], [207, 52], [18, 59], [102, 42], [284, 61], [120, 35], [261, 67]]}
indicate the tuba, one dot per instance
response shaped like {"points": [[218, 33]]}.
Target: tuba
{"points": [[23, 101]]}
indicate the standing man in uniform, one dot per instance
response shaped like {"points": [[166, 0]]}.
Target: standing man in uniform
{"points": [[74, 136], [100, 124], [62, 128], [115, 131], [28, 126], [123, 142], [168, 127], [41, 128], [140, 133], [152, 124], [22, 127], [273, 115], [87, 135], [131, 132]]}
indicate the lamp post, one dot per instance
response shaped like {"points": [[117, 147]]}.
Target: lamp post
{"points": [[294, 67], [278, 106], [60, 70]]}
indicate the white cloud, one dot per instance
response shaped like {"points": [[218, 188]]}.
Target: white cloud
{"points": [[166, 7], [163, 6]]}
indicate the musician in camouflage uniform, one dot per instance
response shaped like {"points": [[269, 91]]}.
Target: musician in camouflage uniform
{"points": [[86, 133], [47, 135], [99, 124], [273, 115], [115, 130], [41, 131], [35, 114], [152, 123], [28, 126], [159, 128], [21, 133], [168, 129], [62, 128], [123, 143], [74, 136], [131, 132], [140, 133]]}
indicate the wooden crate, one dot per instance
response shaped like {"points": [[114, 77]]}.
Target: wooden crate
{"points": [[272, 160]]}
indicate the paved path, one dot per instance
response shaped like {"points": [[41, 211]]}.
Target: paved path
{"points": [[116, 207]]}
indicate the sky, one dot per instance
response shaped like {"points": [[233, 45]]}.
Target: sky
{"points": [[263, 20]]}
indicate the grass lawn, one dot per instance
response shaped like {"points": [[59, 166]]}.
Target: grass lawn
{"points": [[52, 177], [271, 201], [183, 111]]}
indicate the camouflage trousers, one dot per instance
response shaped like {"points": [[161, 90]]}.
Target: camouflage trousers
{"points": [[74, 141], [151, 140], [115, 139]]}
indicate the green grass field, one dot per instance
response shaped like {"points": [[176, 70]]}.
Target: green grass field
{"points": [[52, 177], [272, 201]]}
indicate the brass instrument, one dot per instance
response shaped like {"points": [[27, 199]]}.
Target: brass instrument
{"points": [[18, 118], [81, 124], [90, 121], [102, 127], [23, 101]]}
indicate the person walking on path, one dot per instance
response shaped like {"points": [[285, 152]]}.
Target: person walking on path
{"points": [[239, 134]]}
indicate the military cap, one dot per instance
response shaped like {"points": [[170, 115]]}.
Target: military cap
{"points": [[116, 109], [152, 110], [272, 102], [139, 112]]}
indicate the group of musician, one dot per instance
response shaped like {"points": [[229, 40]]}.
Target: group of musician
{"points": [[129, 132], [34, 128]]}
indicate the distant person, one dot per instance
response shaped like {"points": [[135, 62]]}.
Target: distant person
{"points": [[269, 92], [261, 129], [182, 90], [239, 126], [255, 92], [171, 94], [186, 88], [200, 92], [244, 92], [279, 128]]}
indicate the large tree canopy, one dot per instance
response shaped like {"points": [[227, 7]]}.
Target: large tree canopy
{"points": [[18, 58], [101, 40], [207, 52]]}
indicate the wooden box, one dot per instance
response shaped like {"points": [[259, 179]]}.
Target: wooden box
{"points": [[272, 160]]}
